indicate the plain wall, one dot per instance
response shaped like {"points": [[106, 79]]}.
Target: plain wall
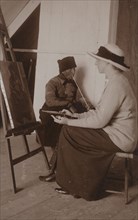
{"points": [[71, 28]]}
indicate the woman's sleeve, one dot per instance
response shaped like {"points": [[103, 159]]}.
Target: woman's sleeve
{"points": [[103, 113]]}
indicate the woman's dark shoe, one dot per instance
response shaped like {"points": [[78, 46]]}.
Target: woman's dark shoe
{"points": [[48, 178], [60, 190], [77, 197]]}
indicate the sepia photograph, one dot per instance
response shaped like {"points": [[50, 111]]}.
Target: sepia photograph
{"points": [[69, 109]]}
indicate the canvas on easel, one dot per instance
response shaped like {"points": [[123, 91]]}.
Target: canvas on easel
{"points": [[15, 103], [16, 94]]}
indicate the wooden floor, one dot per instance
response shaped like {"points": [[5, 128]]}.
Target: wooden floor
{"points": [[39, 201]]}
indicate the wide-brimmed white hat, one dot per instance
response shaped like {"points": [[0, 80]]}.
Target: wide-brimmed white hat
{"points": [[111, 53]]}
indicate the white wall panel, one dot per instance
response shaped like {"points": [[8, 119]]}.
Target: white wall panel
{"points": [[11, 8], [71, 28]]}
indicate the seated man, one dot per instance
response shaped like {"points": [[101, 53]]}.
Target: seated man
{"points": [[60, 94]]}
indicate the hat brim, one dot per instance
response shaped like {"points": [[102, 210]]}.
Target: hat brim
{"points": [[123, 68]]}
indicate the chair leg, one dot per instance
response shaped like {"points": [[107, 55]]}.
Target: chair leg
{"points": [[130, 169], [126, 180]]}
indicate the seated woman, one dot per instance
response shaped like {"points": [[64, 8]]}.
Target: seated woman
{"points": [[87, 145]]}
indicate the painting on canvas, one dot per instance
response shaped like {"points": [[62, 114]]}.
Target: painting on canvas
{"points": [[16, 93]]}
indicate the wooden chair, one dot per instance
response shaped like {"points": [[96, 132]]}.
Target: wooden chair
{"points": [[128, 172]]}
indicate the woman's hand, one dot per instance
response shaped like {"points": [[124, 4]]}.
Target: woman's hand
{"points": [[66, 112], [60, 119]]}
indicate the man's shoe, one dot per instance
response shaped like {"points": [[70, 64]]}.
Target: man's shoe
{"points": [[49, 178], [60, 190]]}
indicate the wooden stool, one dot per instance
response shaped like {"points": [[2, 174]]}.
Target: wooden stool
{"points": [[127, 157]]}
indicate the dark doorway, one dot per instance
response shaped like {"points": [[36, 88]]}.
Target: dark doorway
{"points": [[26, 37]]}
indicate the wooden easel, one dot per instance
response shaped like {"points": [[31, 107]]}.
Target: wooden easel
{"points": [[22, 130]]}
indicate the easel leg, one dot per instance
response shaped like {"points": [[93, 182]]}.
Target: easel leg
{"points": [[26, 144], [12, 166], [43, 149]]}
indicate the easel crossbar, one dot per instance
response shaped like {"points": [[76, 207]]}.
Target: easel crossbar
{"points": [[26, 156]]}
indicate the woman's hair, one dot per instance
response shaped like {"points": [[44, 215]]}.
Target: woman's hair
{"points": [[116, 68]]}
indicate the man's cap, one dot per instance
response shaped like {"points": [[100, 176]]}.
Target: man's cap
{"points": [[66, 63]]}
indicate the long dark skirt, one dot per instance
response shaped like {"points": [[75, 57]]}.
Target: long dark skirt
{"points": [[84, 157]]}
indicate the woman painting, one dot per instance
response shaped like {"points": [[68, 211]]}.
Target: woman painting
{"points": [[87, 145]]}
